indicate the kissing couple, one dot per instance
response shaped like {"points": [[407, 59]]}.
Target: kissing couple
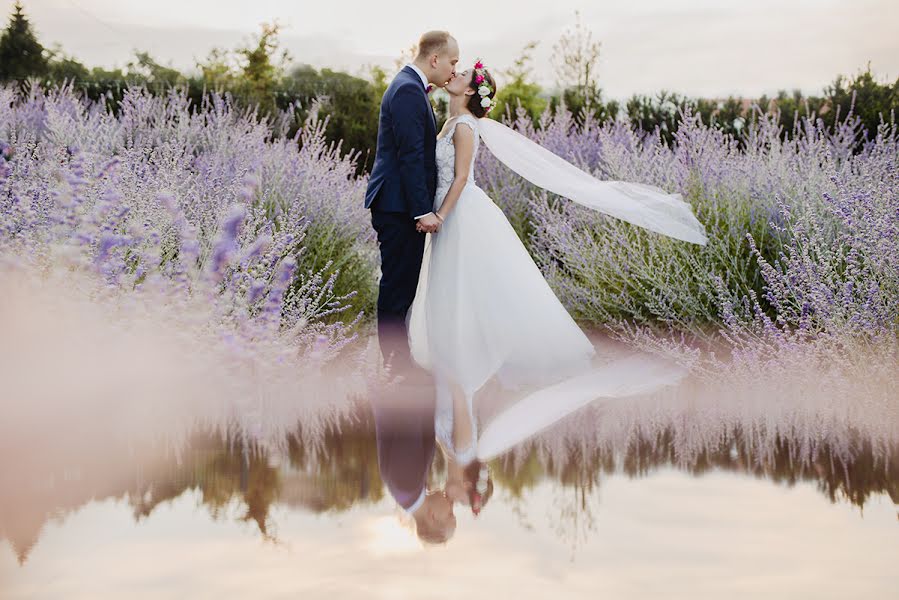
{"points": [[460, 300]]}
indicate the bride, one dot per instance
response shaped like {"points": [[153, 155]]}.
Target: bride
{"points": [[482, 308]]}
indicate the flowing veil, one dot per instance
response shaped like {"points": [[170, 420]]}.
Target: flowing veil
{"points": [[640, 204], [483, 309]]}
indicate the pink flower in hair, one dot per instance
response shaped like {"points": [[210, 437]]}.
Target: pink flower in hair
{"points": [[479, 65], [479, 79]]}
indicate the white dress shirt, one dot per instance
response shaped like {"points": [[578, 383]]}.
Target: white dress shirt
{"points": [[424, 82], [424, 78]]}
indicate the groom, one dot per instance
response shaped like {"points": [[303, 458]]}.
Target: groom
{"points": [[402, 186], [400, 194]]}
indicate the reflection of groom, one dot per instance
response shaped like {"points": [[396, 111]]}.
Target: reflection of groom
{"points": [[406, 449], [400, 192], [403, 184]]}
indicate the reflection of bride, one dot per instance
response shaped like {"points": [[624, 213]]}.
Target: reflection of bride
{"points": [[482, 308], [467, 479]]}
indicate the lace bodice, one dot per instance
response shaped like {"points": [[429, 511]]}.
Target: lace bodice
{"points": [[446, 157]]}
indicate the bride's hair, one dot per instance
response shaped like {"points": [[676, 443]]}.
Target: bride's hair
{"points": [[474, 102]]}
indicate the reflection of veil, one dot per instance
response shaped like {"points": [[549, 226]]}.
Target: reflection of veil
{"points": [[640, 204]]}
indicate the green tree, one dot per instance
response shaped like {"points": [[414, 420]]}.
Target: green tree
{"points": [[378, 77], [350, 103], [21, 54], [521, 90], [868, 99], [216, 71], [61, 67], [152, 73], [261, 74], [790, 108], [727, 115], [575, 60], [657, 113]]}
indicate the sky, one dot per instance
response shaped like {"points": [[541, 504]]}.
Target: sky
{"points": [[662, 535], [709, 48]]}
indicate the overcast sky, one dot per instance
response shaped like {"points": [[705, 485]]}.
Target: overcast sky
{"points": [[695, 47]]}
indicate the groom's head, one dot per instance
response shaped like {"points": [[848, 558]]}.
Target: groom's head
{"points": [[438, 53], [435, 522]]}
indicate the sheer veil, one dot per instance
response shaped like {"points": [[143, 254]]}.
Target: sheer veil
{"points": [[640, 204]]}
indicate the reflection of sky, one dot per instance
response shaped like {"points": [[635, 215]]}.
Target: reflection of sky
{"points": [[667, 535], [698, 47]]}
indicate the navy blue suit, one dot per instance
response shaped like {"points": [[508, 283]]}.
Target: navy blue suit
{"points": [[404, 176], [404, 427], [402, 186]]}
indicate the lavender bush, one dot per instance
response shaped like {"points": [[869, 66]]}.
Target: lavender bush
{"points": [[802, 231], [208, 201]]}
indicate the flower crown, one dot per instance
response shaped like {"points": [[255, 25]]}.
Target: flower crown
{"points": [[484, 87], [476, 496]]}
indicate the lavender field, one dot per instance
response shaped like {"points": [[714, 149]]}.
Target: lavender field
{"points": [[209, 202], [181, 277]]}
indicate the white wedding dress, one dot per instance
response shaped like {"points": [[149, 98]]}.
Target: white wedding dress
{"points": [[483, 309]]}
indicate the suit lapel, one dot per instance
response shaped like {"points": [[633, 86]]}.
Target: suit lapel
{"points": [[411, 73]]}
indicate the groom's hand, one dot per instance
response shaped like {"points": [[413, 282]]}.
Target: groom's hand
{"points": [[428, 224]]}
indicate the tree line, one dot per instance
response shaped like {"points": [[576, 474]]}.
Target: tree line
{"points": [[264, 76]]}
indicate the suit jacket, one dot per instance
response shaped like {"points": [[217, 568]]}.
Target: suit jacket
{"points": [[404, 176]]}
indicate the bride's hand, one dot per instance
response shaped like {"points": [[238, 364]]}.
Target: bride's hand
{"points": [[436, 227], [429, 223]]}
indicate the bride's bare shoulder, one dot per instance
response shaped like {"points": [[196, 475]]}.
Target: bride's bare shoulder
{"points": [[470, 120]]}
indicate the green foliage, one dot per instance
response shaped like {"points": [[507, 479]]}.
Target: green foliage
{"points": [[254, 74], [581, 106], [144, 67], [575, 60], [21, 54], [329, 249], [261, 75], [521, 90], [869, 99], [660, 112], [792, 107], [728, 115], [64, 68], [350, 103], [379, 81], [216, 71]]}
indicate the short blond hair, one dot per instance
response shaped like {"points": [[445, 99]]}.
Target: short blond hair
{"points": [[433, 42]]}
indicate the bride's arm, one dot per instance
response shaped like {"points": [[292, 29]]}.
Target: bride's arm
{"points": [[463, 140]]}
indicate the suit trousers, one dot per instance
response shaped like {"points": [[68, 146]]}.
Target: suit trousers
{"points": [[401, 248]]}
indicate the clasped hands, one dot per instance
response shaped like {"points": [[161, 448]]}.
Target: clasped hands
{"points": [[430, 223]]}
